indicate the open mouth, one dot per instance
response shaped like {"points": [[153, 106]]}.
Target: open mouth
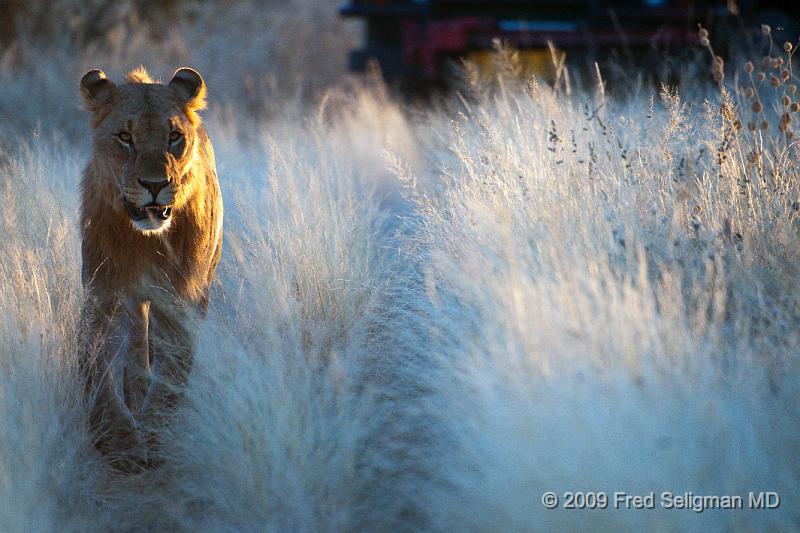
{"points": [[152, 211]]}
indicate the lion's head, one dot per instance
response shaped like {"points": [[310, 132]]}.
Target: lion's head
{"points": [[149, 133]]}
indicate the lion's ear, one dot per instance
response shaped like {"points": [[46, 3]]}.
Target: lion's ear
{"points": [[96, 89], [190, 87]]}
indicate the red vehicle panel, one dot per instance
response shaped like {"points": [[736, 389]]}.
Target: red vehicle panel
{"points": [[418, 38]]}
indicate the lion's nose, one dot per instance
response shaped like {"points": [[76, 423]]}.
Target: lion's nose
{"points": [[154, 186]]}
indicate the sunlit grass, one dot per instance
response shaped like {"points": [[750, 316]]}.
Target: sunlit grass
{"points": [[428, 322]]}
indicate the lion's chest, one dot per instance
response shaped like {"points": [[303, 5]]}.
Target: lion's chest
{"points": [[156, 279], [171, 266], [148, 269]]}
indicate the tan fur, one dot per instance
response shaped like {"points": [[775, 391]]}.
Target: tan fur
{"points": [[146, 289], [139, 75]]}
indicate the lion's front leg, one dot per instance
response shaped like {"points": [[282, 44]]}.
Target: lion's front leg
{"points": [[172, 337], [116, 368], [137, 374]]}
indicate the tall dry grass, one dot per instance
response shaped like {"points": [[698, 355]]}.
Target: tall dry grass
{"points": [[426, 320], [612, 296]]}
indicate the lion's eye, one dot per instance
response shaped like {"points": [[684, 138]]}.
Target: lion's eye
{"points": [[174, 136], [125, 137]]}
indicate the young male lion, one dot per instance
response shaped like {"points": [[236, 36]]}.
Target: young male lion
{"points": [[151, 219]]}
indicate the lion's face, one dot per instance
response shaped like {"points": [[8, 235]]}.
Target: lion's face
{"points": [[147, 133]]}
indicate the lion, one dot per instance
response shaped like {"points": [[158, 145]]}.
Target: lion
{"points": [[151, 226]]}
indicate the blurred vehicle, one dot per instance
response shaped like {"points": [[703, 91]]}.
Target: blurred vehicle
{"points": [[414, 41]]}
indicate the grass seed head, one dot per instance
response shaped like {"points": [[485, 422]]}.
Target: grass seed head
{"points": [[785, 122]]}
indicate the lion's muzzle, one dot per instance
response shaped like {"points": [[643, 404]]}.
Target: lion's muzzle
{"points": [[149, 203]]}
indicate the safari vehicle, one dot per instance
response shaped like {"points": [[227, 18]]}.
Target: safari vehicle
{"points": [[416, 41]]}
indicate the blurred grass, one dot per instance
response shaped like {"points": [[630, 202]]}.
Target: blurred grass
{"points": [[257, 57]]}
